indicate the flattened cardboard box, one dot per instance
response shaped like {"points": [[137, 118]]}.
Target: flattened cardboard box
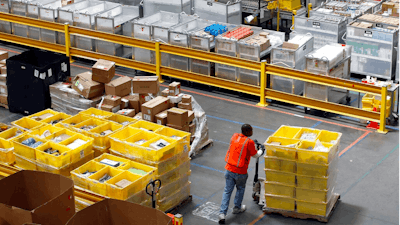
{"points": [[151, 108], [86, 87], [145, 85], [133, 102], [119, 87], [36, 197], [103, 71], [111, 211]]}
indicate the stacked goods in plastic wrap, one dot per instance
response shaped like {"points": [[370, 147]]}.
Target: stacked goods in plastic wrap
{"points": [[3, 79], [216, 29], [300, 169]]}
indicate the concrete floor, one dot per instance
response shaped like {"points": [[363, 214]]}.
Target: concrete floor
{"points": [[368, 171]]}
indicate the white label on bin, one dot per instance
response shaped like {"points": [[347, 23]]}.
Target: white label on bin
{"points": [[368, 34], [36, 73], [316, 25], [50, 72], [146, 117], [82, 153], [42, 76], [64, 67]]}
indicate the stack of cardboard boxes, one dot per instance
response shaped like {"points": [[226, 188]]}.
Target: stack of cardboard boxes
{"points": [[3, 78], [380, 19], [261, 40], [391, 7]]}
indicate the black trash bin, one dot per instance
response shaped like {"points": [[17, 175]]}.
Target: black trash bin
{"points": [[29, 75]]}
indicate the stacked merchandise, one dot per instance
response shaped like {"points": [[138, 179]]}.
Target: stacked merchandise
{"points": [[391, 8], [115, 177], [216, 29], [300, 169], [6, 145], [239, 33], [3, 79], [161, 147], [380, 19]]}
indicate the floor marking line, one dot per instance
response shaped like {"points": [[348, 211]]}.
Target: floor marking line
{"points": [[206, 167], [316, 124], [258, 218], [362, 137], [223, 142], [232, 121]]}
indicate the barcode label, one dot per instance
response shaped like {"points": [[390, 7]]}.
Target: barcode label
{"points": [[146, 117]]}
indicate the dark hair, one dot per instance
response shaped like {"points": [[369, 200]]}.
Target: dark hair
{"points": [[247, 130]]}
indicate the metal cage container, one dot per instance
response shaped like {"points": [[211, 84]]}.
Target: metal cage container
{"points": [[151, 7], [180, 35], [374, 52], [291, 58], [156, 28], [325, 30], [221, 11], [116, 21], [253, 52], [49, 13], [33, 12]]}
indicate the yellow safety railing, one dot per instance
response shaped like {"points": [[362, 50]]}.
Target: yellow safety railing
{"points": [[262, 91]]}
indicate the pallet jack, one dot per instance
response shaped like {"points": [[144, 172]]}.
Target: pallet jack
{"points": [[154, 186], [258, 183]]}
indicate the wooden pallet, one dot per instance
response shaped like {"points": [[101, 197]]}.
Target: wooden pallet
{"points": [[203, 147], [4, 105], [303, 216], [180, 205]]}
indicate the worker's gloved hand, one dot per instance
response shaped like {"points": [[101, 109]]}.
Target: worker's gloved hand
{"points": [[259, 153]]}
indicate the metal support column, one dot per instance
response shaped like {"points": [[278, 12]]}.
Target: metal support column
{"points": [[294, 13], [382, 124], [263, 85], [67, 42], [309, 9], [158, 62]]}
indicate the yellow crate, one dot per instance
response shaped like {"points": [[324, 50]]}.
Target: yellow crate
{"points": [[174, 174], [103, 141], [146, 125], [39, 132], [280, 202], [117, 140], [100, 151], [121, 119], [24, 150], [59, 117], [168, 189], [367, 100], [4, 127], [331, 138], [139, 197], [96, 113], [63, 131], [280, 177], [94, 183], [123, 161], [41, 113], [310, 195], [81, 204], [153, 155], [90, 122], [81, 151], [284, 150], [63, 159], [279, 189], [182, 137], [378, 100], [73, 121], [286, 132], [138, 184], [316, 183], [11, 133], [312, 208], [311, 156], [378, 109], [317, 170], [24, 163], [6, 152], [175, 199], [284, 165], [81, 180], [307, 130], [26, 123], [150, 170]]}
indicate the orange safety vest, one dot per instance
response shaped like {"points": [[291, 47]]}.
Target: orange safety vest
{"points": [[236, 155]]}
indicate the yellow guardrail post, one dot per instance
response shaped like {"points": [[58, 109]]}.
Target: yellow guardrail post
{"points": [[309, 9], [158, 62], [263, 84], [382, 124], [294, 13], [67, 41], [277, 16]]}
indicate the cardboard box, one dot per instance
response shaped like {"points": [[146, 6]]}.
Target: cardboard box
{"points": [[187, 106], [143, 98], [127, 112], [112, 100], [165, 92], [111, 211], [109, 108], [3, 70], [138, 116], [3, 88], [290, 45], [192, 128], [66, 2], [3, 77], [133, 102], [191, 116], [119, 87], [151, 108], [103, 71], [161, 118], [174, 88], [186, 99], [3, 99], [124, 103], [36, 197], [3, 55], [264, 34], [86, 87], [178, 117], [145, 85], [184, 128]]}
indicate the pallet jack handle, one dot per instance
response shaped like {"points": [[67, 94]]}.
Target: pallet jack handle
{"points": [[155, 185], [259, 147]]}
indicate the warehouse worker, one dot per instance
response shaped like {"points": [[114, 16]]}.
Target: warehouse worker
{"points": [[237, 161]]}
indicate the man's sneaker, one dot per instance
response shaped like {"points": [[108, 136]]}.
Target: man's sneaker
{"points": [[221, 218], [237, 210]]}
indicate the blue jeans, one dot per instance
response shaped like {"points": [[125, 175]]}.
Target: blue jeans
{"points": [[233, 179]]}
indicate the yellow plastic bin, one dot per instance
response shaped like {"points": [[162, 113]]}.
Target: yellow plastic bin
{"points": [[6, 152], [117, 140], [312, 156], [73, 121], [307, 130], [97, 113], [102, 140], [174, 199], [56, 119], [138, 183], [101, 187], [77, 153], [280, 202], [45, 114], [174, 174], [24, 150], [24, 163], [121, 119], [286, 132], [139, 169], [82, 180], [40, 132], [317, 170], [90, 122], [61, 135], [285, 150], [65, 170], [312, 208], [155, 155], [168, 189], [27, 124], [122, 161], [284, 165], [330, 137], [11, 133], [146, 125], [182, 137], [367, 100], [134, 144], [56, 160], [316, 183], [310, 195], [280, 177], [272, 188]]}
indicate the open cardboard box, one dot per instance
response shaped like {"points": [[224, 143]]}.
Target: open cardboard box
{"points": [[36, 197], [111, 211]]}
